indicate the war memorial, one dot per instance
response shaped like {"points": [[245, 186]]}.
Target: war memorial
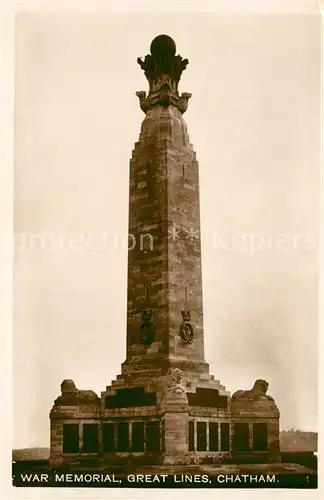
{"points": [[165, 411], [165, 407]]}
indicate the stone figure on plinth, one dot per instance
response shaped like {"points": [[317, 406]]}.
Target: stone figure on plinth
{"points": [[175, 382], [258, 392]]}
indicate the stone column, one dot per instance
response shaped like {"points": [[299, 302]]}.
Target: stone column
{"points": [[115, 436], [100, 439], [80, 437], [250, 436], [176, 421], [130, 434], [273, 439], [56, 446]]}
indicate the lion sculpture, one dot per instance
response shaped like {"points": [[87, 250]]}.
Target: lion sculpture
{"points": [[259, 391], [69, 392]]}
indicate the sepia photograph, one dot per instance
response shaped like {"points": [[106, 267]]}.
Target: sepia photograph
{"points": [[167, 174]]}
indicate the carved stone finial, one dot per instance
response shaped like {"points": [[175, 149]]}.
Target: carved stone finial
{"points": [[163, 69], [163, 45]]}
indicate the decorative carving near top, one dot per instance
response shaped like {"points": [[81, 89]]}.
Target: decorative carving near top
{"points": [[147, 329], [163, 69], [186, 328], [258, 392], [175, 381]]}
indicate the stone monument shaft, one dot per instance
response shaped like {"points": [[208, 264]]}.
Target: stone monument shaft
{"points": [[164, 303]]}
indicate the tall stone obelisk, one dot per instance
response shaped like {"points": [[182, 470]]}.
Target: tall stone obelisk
{"points": [[164, 307]]}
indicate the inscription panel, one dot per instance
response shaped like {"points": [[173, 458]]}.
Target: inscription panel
{"points": [[131, 397], [208, 398]]}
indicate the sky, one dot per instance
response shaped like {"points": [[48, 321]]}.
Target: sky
{"points": [[254, 123]]}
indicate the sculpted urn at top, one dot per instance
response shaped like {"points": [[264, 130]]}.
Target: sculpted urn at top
{"points": [[163, 69]]}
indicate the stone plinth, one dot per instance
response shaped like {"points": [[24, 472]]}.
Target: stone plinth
{"points": [[255, 424], [164, 307], [72, 413], [175, 419]]}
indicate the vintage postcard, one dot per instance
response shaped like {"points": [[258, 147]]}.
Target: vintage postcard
{"points": [[167, 171]]}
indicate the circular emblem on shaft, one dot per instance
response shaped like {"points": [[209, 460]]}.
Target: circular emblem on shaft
{"points": [[186, 332]]}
